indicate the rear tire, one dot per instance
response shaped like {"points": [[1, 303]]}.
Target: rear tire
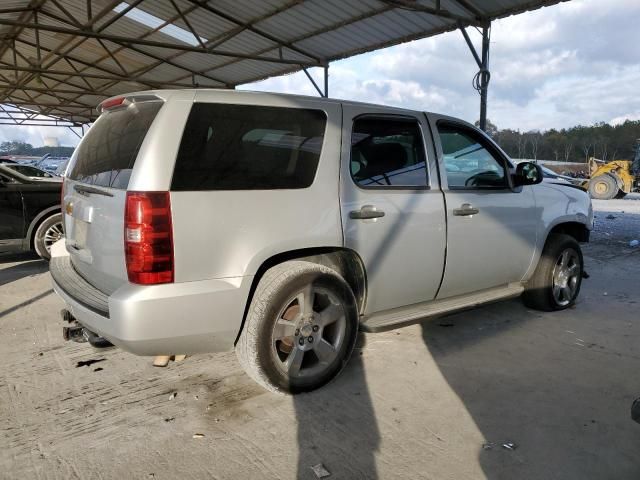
{"points": [[48, 232], [603, 187], [555, 284], [300, 329]]}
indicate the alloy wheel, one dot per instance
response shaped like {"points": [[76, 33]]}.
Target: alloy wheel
{"points": [[309, 333]]}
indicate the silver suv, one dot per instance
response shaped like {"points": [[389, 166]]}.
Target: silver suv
{"points": [[207, 220]]}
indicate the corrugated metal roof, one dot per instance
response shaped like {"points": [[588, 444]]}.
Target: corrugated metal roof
{"points": [[75, 57]]}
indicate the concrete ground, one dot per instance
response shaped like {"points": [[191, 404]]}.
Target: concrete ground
{"points": [[433, 401]]}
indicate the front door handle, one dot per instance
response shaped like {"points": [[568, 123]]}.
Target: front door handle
{"points": [[465, 210], [367, 211]]}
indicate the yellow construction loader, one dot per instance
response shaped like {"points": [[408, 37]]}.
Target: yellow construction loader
{"points": [[613, 179]]}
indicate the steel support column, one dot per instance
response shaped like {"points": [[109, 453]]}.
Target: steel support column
{"points": [[326, 81], [322, 92], [482, 78]]}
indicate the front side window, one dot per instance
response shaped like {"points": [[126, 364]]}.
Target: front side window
{"points": [[248, 147], [387, 153], [469, 164]]}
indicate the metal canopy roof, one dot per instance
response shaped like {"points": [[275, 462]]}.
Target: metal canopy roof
{"points": [[62, 57]]}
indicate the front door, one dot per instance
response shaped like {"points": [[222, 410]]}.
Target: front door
{"points": [[491, 227], [11, 214], [392, 207]]}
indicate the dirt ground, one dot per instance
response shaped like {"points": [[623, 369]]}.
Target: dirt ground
{"points": [[433, 401]]}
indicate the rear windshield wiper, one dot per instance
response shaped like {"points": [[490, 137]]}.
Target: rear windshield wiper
{"points": [[85, 189]]}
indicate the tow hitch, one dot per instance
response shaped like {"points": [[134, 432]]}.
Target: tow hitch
{"points": [[77, 333], [73, 333]]}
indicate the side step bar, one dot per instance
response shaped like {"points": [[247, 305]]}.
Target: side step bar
{"points": [[403, 316]]}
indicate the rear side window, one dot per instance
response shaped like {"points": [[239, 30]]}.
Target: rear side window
{"points": [[387, 153], [246, 147], [5, 179], [29, 171], [108, 152]]}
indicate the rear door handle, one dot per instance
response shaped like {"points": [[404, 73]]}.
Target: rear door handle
{"points": [[367, 211], [465, 210]]}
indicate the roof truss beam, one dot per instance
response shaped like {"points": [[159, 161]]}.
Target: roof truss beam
{"points": [[438, 12], [250, 26], [150, 43]]}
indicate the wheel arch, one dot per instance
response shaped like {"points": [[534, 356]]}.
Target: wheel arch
{"points": [[577, 230], [35, 223], [344, 261]]}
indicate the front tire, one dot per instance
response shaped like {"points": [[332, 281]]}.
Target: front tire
{"points": [[300, 329], [603, 187], [556, 282], [48, 232]]}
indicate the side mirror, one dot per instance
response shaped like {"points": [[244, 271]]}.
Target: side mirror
{"points": [[527, 173]]}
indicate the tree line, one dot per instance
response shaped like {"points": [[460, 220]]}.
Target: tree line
{"points": [[602, 140], [576, 144], [16, 147]]}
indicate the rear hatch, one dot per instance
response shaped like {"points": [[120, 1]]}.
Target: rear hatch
{"points": [[96, 188]]}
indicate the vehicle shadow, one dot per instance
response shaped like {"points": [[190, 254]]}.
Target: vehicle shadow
{"points": [[29, 265], [337, 426], [12, 309], [526, 384]]}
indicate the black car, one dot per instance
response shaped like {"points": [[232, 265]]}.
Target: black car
{"points": [[30, 215], [33, 173]]}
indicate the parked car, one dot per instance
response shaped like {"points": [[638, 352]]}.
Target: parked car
{"points": [[550, 175], [207, 220], [30, 216], [62, 168], [50, 164], [33, 173]]}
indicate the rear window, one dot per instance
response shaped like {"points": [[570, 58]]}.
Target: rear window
{"points": [[108, 152], [245, 147]]}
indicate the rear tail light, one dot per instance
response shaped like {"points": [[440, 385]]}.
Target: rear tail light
{"points": [[148, 238]]}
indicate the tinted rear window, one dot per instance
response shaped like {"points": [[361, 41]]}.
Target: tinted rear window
{"points": [[108, 152], [245, 147]]}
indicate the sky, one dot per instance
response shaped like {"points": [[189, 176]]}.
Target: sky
{"points": [[573, 63]]}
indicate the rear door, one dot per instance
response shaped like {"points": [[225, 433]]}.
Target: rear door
{"points": [[392, 207], [11, 213], [491, 227], [95, 192]]}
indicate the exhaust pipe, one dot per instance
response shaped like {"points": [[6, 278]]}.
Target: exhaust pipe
{"points": [[95, 340]]}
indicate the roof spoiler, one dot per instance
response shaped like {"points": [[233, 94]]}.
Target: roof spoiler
{"points": [[123, 101]]}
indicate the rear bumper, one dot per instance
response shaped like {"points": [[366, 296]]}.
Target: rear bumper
{"points": [[177, 318]]}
